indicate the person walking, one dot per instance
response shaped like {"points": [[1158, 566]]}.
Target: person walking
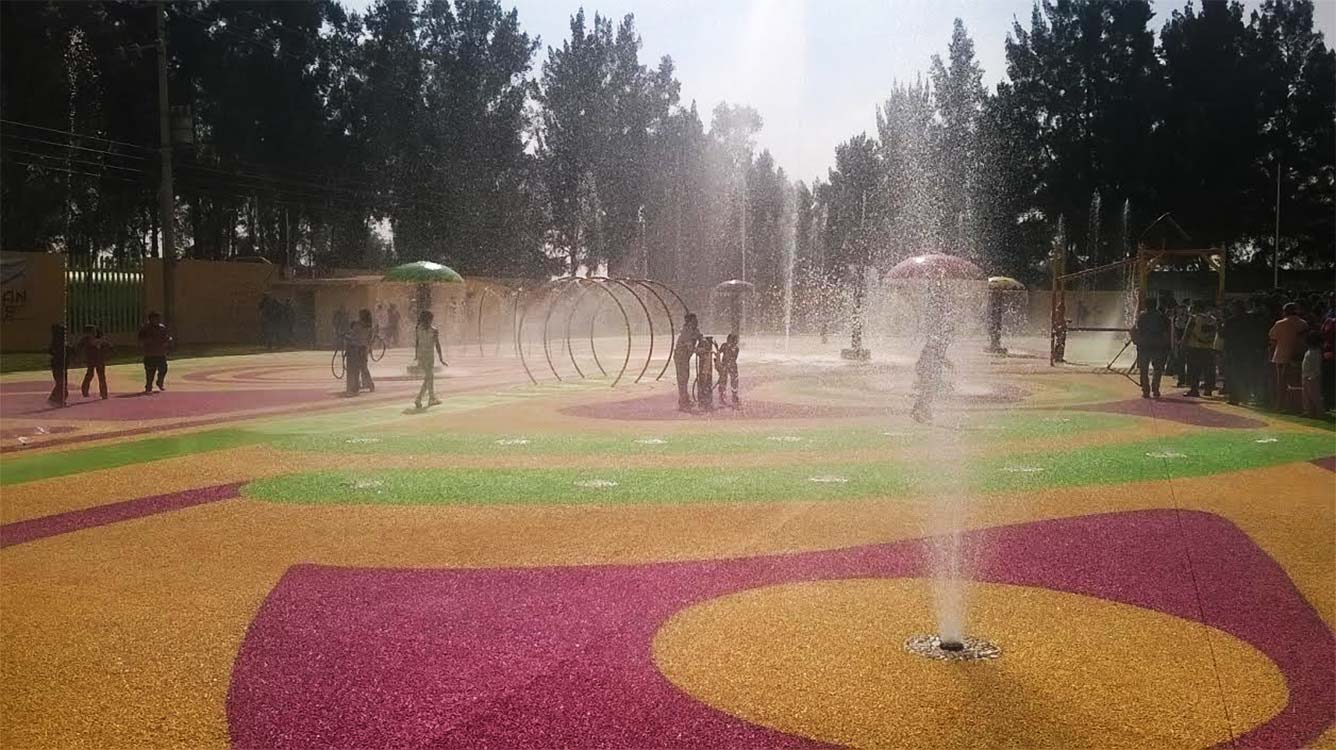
{"points": [[427, 340], [155, 341], [60, 389], [93, 349], [1198, 344], [1151, 335]]}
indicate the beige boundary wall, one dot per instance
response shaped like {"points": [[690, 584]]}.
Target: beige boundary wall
{"points": [[216, 302], [32, 296]]}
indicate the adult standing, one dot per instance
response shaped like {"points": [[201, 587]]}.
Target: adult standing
{"points": [[1328, 332], [682, 354], [393, 335], [268, 321], [155, 341], [359, 344], [1256, 325], [382, 319], [340, 323], [1179, 315], [1198, 344], [1151, 334], [1287, 342], [93, 348], [1235, 351]]}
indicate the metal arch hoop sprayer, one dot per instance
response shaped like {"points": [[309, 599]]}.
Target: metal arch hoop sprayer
{"points": [[570, 348], [559, 288], [685, 309], [519, 328], [668, 313], [626, 321], [483, 291], [650, 320]]}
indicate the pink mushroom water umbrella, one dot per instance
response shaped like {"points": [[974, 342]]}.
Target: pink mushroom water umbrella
{"points": [[935, 267]]}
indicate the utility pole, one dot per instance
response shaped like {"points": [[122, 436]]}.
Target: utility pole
{"points": [[744, 221], [166, 195], [1275, 255]]}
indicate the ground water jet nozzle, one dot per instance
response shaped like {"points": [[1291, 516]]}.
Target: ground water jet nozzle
{"points": [[967, 648]]}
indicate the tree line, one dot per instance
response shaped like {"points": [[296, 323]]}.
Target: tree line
{"points": [[1099, 128], [311, 127]]}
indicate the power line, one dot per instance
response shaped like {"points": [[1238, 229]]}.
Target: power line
{"points": [[325, 179]]}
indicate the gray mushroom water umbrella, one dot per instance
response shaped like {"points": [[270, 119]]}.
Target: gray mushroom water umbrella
{"points": [[733, 291]]}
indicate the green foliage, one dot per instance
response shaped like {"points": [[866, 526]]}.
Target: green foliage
{"points": [[314, 127], [1092, 107]]}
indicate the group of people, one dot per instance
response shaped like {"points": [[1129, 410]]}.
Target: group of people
{"points": [[1267, 350], [356, 338], [710, 359], [94, 351]]}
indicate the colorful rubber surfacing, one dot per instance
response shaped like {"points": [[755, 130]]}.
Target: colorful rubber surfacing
{"points": [[571, 565]]}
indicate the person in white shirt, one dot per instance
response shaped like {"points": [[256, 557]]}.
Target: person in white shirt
{"points": [[427, 340]]}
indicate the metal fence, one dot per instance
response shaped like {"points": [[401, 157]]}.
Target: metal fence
{"points": [[105, 294]]}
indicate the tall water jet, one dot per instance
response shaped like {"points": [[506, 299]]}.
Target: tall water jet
{"points": [[789, 222], [1126, 228], [942, 288]]}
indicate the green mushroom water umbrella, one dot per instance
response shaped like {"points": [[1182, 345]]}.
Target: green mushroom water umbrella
{"points": [[424, 272]]}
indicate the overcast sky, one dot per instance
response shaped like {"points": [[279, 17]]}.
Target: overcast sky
{"points": [[814, 69]]}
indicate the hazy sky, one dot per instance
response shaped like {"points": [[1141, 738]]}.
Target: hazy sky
{"points": [[814, 69]]}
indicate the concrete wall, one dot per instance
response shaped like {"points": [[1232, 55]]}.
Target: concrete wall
{"points": [[32, 298], [219, 302]]}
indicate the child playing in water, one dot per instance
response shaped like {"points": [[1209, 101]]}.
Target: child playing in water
{"points": [[727, 365], [427, 338]]}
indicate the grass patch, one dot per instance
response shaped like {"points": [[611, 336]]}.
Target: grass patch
{"points": [[1192, 455], [764, 439], [63, 463], [1187, 456], [579, 486]]}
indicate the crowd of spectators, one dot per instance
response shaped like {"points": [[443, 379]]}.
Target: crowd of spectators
{"points": [[1276, 349]]}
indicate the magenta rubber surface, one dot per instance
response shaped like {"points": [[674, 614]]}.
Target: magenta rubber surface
{"points": [[561, 657]]}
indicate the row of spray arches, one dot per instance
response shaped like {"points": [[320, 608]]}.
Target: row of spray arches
{"points": [[576, 328], [592, 327]]}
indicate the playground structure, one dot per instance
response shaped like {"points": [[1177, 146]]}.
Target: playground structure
{"points": [[635, 301], [1133, 281]]}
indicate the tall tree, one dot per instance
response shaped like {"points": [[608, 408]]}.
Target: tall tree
{"points": [[1298, 112], [960, 98], [1086, 72]]}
